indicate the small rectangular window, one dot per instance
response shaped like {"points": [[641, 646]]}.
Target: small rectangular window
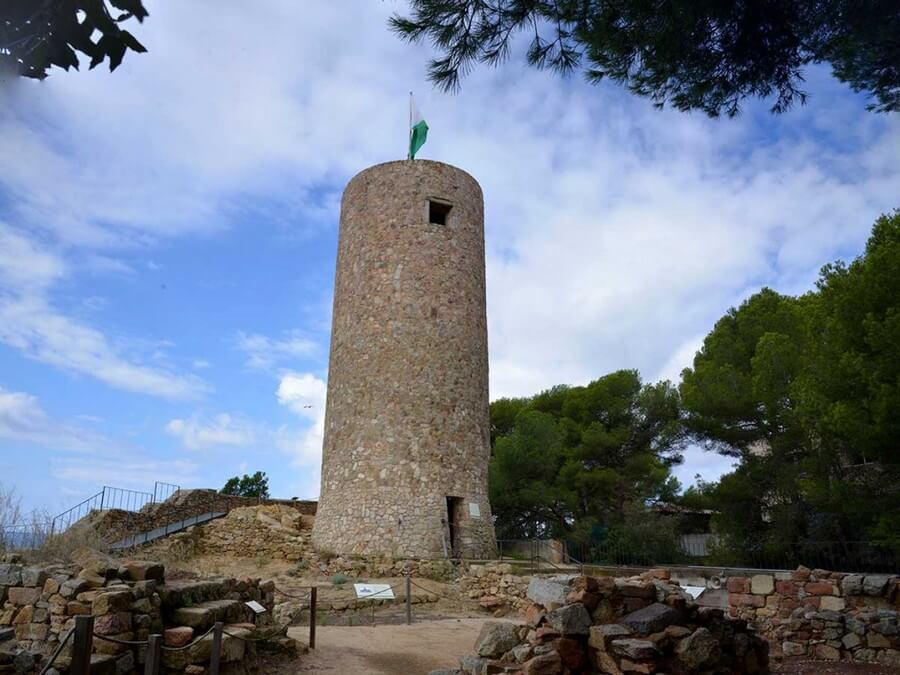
{"points": [[438, 212]]}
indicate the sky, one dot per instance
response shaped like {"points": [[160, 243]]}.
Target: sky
{"points": [[168, 233]]}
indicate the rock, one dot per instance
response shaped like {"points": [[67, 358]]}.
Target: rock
{"points": [[634, 649], [877, 641], [534, 615], [114, 601], [143, 570], [762, 584], [125, 664], [832, 604], [472, 665], [443, 671], [496, 638], [547, 592], [570, 620], [72, 587], [601, 635], [852, 584], [10, 575], [7, 634], [545, 664], [874, 584], [34, 576], [651, 619], [92, 578], [636, 589], [739, 585], [698, 650], [521, 653], [19, 595], [793, 648], [178, 636], [114, 623], [827, 652], [32, 631], [851, 640], [889, 657]]}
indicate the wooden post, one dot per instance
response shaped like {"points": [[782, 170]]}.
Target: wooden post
{"points": [[154, 655], [408, 599], [216, 648], [312, 617], [81, 647]]}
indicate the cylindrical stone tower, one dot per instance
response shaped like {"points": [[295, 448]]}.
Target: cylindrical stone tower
{"points": [[407, 440]]}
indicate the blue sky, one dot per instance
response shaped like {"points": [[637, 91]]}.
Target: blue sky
{"points": [[168, 233]]}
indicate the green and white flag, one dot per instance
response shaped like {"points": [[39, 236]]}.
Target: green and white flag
{"points": [[418, 129]]}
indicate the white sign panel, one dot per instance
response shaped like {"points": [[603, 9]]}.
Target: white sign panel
{"points": [[376, 591], [474, 510], [255, 606], [694, 591]]}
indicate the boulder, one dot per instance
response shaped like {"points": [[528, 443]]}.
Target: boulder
{"points": [[852, 584], [698, 650], [33, 576], [547, 592], [874, 584], [143, 570], [762, 584], [570, 620], [496, 638], [114, 601], [20, 595], [10, 575], [637, 650], [651, 619], [472, 665], [601, 635]]}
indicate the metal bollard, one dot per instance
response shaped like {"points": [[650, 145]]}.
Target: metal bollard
{"points": [[154, 655], [81, 647]]}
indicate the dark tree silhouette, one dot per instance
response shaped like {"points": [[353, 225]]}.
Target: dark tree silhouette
{"points": [[706, 55], [38, 34]]}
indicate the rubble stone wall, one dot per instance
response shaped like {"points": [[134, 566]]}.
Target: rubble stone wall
{"points": [[129, 600], [821, 614]]}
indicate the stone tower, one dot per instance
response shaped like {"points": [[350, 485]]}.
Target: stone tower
{"points": [[407, 440]]}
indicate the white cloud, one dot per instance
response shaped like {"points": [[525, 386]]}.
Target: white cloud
{"points": [[21, 417], [303, 393], [223, 429], [264, 352], [31, 324]]}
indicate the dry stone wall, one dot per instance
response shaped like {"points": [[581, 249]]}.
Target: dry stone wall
{"points": [[129, 601], [617, 626], [406, 423], [821, 614]]}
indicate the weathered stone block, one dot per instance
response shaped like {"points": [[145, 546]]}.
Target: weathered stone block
{"points": [[496, 638], [762, 584], [651, 619], [600, 636], [570, 620], [547, 592], [634, 649], [20, 595], [10, 575], [114, 601]]}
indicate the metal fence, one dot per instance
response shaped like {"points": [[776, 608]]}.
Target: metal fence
{"points": [[21, 536], [836, 556]]}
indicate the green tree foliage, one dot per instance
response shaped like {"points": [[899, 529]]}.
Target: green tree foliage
{"points": [[806, 392], [708, 56], [575, 461], [256, 485], [38, 34]]}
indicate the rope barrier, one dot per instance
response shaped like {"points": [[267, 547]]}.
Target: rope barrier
{"points": [[126, 643], [428, 590], [189, 644], [245, 639], [295, 597], [56, 652]]}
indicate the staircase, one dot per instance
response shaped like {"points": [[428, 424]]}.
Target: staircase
{"points": [[141, 538]]}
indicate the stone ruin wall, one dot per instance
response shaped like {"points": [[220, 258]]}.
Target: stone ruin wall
{"points": [[129, 600], [821, 614], [407, 421]]}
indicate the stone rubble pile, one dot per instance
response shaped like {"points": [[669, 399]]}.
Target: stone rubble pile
{"points": [[825, 615], [495, 587], [129, 601], [272, 531], [617, 626]]}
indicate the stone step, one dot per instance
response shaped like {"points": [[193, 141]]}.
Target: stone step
{"points": [[202, 616], [191, 592]]}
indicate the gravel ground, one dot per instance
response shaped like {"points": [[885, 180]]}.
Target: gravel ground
{"points": [[806, 667]]}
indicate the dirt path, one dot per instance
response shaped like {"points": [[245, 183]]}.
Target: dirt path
{"points": [[386, 649]]}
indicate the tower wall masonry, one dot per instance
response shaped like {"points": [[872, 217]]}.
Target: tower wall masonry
{"points": [[407, 440]]}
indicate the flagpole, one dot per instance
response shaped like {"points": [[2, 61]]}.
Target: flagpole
{"points": [[409, 143]]}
